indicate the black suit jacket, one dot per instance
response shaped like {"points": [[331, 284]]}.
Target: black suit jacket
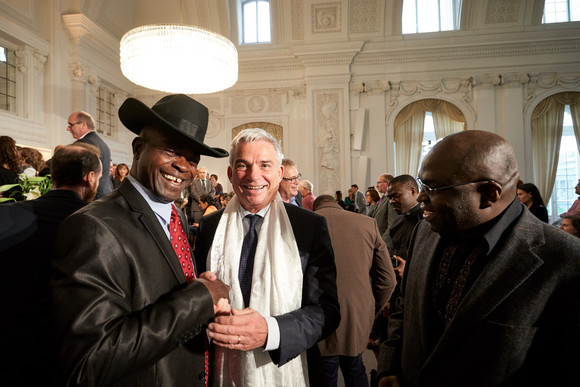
{"points": [[105, 185], [319, 315], [123, 313], [28, 233]]}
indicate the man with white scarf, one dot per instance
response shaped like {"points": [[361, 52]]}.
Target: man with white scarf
{"points": [[290, 302]]}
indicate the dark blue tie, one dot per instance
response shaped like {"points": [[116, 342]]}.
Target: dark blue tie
{"points": [[247, 259]]}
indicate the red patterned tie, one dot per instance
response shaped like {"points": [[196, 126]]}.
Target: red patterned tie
{"points": [[181, 248], [180, 244]]}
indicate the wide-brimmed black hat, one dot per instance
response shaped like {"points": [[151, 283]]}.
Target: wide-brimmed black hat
{"points": [[176, 113]]}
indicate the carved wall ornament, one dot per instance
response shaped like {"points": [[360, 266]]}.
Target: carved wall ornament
{"points": [[328, 127], [22, 55], [39, 62], [502, 11], [256, 103], [297, 19], [446, 86], [542, 82], [364, 16], [326, 17]]}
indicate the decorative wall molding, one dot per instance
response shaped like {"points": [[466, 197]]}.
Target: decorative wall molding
{"points": [[326, 17], [297, 19], [502, 11], [540, 83], [81, 27], [364, 16], [329, 126], [267, 102]]}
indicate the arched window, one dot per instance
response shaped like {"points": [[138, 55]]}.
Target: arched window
{"points": [[561, 11], [255, 21], [430, 15], [555, 144], [412, 141]]}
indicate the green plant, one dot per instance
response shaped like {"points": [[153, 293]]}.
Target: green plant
{"points": [[30, 187]]}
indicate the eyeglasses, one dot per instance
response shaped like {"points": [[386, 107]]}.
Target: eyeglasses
{"points": [[429, 190], [293, 179], [381, 182], [70, 125]]}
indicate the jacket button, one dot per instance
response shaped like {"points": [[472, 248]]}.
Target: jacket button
{"points": [[201, 375]]}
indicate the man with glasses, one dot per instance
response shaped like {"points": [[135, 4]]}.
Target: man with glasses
{"points": [[490, 293], [81, 126], [289, 184]]}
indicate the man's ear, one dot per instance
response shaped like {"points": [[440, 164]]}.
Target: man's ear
{"points": [[230, 174], [137, 146], [491, 192], [89, 178]]}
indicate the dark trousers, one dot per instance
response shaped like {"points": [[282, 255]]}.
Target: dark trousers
{"points": [[352, 368]]}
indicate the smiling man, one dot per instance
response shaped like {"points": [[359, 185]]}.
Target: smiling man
{"points": [[128, 304], [283, 283], [490, 292]]}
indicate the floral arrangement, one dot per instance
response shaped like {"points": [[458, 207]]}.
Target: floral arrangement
{"points": [[30, 187]]}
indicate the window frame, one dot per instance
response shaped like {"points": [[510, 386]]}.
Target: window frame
{"points": [[242, 20]]}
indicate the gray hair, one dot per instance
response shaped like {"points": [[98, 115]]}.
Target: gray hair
{"points": [[307, 185], [251, 135]]}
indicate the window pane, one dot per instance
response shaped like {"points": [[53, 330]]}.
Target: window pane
{"points": [[7, 80], [264, 21], [568, 172], [430, 15], [249, 13], [560, 11]]}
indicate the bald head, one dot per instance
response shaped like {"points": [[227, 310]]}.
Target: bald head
{"points": [[482, 171]]}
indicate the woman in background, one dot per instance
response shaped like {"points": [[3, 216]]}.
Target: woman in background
{"points": [[338, 198], [121, 172], [571, 224], [372, 197], [219, 190], [31, 162], [530, 196]]}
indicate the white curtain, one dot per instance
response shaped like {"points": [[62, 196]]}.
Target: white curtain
{"points": [[547, 122], [409, 126], [447, 119]]}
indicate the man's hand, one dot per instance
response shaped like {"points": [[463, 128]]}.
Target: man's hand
{"points": [[246, 329], [401, 268], [219, 292]]}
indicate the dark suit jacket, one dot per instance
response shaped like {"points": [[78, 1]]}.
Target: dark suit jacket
{"points": [[123, 313], [196, 191], [385, 215], [26, 249], [319, 314], [518, 325], [105, 185]]}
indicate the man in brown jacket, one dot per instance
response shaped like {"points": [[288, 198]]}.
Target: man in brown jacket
{"points": [[359, 252]]}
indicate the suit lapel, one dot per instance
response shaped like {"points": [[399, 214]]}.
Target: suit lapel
{"points": [[509, 265], [148, 219]]}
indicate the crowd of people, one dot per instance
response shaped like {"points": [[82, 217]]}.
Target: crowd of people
{"points": [[151, 274]]}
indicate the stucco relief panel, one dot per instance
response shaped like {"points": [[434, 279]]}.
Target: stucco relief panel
{"points": [[329, 121], [297, 19], [326, 17], [502, 11], [257, 103], [364, 16]]}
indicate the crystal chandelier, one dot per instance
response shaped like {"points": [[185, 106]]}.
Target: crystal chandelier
{"points": [[178, 58]]}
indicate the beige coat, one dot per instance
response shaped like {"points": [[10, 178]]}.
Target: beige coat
{"points": [[360, 255]]}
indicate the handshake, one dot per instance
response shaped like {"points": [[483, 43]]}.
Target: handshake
{"points": [[240, 329]]}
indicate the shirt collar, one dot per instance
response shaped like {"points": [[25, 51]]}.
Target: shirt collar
{"points": [[160, 207], [243, 212]]}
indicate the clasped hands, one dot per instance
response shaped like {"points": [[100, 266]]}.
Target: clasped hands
{"points": [[241, 329]]}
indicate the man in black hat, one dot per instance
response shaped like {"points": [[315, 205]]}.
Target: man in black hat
{"points": [[129, 306]]}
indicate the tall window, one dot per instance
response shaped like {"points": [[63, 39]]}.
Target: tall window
{"points": [[430, 15], [568, 171], [561, 11], [106, 119], [255, 21], [7, 80]]}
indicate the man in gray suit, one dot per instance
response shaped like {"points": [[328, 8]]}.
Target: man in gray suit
{"points": [[490, 293], [199, 187], [81, 126], [385, 213]]}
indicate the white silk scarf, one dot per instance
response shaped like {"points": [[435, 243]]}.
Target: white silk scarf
{"points": [[276, 289]]}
